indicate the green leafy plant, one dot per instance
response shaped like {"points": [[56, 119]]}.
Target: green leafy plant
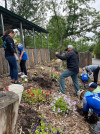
{"points": [[42, 68], [62, 104], [33, 95], [25, 80], [45, 127], [35, 73], [55, 75]]}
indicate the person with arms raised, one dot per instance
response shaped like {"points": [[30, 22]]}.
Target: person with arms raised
{"points": [[72, 59]]}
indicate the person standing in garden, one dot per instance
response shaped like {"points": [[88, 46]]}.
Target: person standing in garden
{"points": [[11, 55], [93, 68], [72, 59], [23, 57]]}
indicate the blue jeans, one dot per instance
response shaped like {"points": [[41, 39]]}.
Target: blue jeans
{"points": [[13, 67], [74, 77]]}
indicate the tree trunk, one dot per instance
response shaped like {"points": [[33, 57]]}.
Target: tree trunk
{"points": [[60, 44], [6, 4]]}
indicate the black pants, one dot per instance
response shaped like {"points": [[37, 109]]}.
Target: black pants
{"points": [[23, 66], [95, 74]]}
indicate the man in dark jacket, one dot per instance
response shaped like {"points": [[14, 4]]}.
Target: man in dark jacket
{"points": [[72, 59]]}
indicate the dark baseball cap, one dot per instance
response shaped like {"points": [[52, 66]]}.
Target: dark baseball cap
{"points": [[92, 85]]}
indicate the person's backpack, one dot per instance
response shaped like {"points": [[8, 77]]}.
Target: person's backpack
{"points": [[84, 77]]}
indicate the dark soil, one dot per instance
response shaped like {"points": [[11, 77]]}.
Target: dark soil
{"points": [[27, 116]]}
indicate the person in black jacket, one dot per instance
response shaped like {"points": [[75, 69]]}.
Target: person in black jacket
{"points": [[10, 55], [72, 59]]}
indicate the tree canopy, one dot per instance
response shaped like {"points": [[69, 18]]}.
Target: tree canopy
{"points": [[70, 21]]}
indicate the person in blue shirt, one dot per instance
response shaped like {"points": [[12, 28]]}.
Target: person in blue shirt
{"points": [[93, 68], [23, 57], [90, 100]]}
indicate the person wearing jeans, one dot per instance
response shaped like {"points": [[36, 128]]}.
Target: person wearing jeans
{"points": [[10, 55], [74, 77], [72, 59], [13, 67]]}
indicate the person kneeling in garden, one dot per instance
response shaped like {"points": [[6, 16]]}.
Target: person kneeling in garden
{"points": [[91, 101], [94, 88], [72, 59]]}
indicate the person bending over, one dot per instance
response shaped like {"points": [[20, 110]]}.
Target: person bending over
{"points": [[93, 69], [23, 57]]}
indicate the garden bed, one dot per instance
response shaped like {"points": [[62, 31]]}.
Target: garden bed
{"points": [[73, 123]]}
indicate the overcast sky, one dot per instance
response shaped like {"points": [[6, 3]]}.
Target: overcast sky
{"points": [[95, 5]]}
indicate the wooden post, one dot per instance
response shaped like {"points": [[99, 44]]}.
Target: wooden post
{"points": [[9, 104], [48, 49], [2, 24], [35, 51], [47, 42], [21, 33], [42, 48]]}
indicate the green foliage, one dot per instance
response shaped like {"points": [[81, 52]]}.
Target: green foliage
{"points": [[17, 38], [29, 42], [91, 48], [62, 104], [25, 80], [93, 55], [33, 95], [97, 48], [55, 75], [1, 42], [29, 9], [35, 73], [45, 127], [81, 46], [52, 27], [74, 22]]}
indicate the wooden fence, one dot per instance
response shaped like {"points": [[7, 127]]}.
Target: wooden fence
{"points": [[41, 56], [85, 58], [38, 56]]}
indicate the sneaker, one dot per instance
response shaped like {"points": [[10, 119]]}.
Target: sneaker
{"points": [[23, 76], [20, 73], [60, 92], [17, 82], [12, 82]]}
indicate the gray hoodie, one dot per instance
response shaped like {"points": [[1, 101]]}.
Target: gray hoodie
{"points": [[91, 68]]}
